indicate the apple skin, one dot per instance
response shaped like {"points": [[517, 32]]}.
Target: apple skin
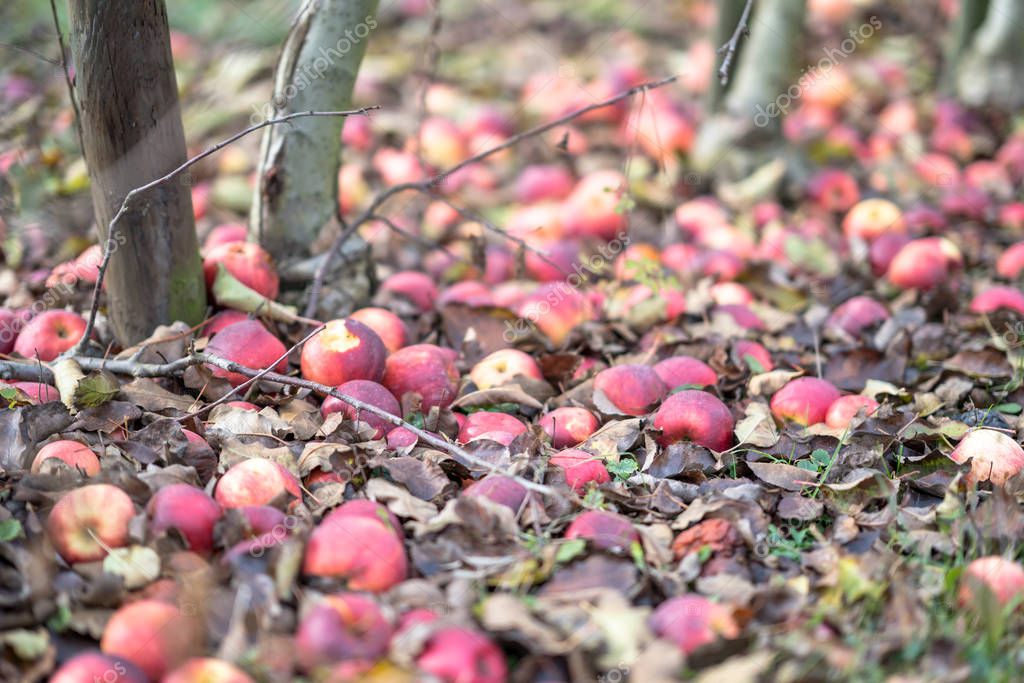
{"points": [[221, 320], [581, 468], [153, 634], [460, 655], [90, 667], [995, 298], [10, 324], [363, 550], [49, 334], [697, 416], [590, 210], [742, 316], [226, 233], [361, 507], [248, 262], [414, 286], [844, 408], [424, 370], [468, 292], [994, 456], [344, 626], [539, 183], [884, 249], [189, 510], [75, 454], [924, 263], [997, 576], [1011, 262], [36, 392], [441, 143], [569, 425], [871, 218], [256, 481], [499, 489], [207, 670], [388, 326], [400, 437], [856, 314], [691, 621], [744, 349], [99, 510], [605, 530], [683, 370], [632, 389], [556, 309], [484, 424], [346, 350], [804, 400], [366, 391], [247, 343], [726, 293], [503, 366], [833, 190]]}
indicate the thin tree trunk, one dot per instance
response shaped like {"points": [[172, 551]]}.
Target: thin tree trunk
{"points": [[299, 163], [132, 133], [990, 71], [968, 19]]}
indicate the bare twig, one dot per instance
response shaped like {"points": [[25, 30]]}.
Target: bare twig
{"points": [[132, 194], [430, 184], [742, 29], [67, 76]]}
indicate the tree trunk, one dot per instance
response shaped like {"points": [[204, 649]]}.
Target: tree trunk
{"points": [[132, 134], [990, 70], [729, 13], [299, 163]]}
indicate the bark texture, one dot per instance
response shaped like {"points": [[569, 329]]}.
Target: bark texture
{"points": [[132, 133], [299, 163]]}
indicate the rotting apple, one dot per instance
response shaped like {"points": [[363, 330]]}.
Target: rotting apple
{"points": [[503, 366], [345, 350]]}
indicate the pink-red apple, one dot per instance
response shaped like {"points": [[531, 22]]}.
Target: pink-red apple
{"points": [[363, 551], [499, 489], [152, 634], [86, 521], [631, 389], [569, 425], [413, 286], [90, 667], [249, 344], [872, 218], [426, 372], [72, 453], [484, 424], [844, 408], [248, 262], [388, 326], [256, 481], [503, 366], [606, 530], [992, 577], [368, 392], [207, 670], [459, 655], [697, 416], [994, 456], [856, 315], [995, 298], [804, 400], [344, 351], [681, 371], [751, 354], [188, 510], [49, 334], [344, 626], [580, 469], [691, 621]]}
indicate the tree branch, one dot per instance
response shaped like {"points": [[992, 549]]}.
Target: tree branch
{"points": [[742, 29]]}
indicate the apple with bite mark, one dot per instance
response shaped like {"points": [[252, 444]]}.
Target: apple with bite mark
{"points": [[697, 416], [256, 481], [49, 334], [569, 425], [503, 366], [72, 453], [87, 521]]}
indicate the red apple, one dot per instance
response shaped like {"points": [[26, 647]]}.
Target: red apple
{"points": [[751, 354], [256, 481], [992, 577], [994, 456], [488, 425], [388, 326], [221, 320], [73, 453], [153, 634], [1009, 265], [592, 209], [49, 334], [833, 190], [344, 351], [425, 371], [468, 292], [368, 392], [924, 263], [804, 400], [187, 509], [556, 309], [414, 286], [88, 520], [995, 298], [691, 621], [692, 415], [248, 262], [400, 437], [884, 249], [361, 507], [681, 371], [344, 626], [855, 315], [93, 667], [36, 392], [872, 218], [499, 489], [631, 389], [569, 425], [225, 234], [10, 324], [364, 551], [207, 670], [581, 468], [844, 408], [742, 316], [244, 405], [249, 344], [459, 655], [606, 530], [397, 167], [504, 366], [539, 183]]}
